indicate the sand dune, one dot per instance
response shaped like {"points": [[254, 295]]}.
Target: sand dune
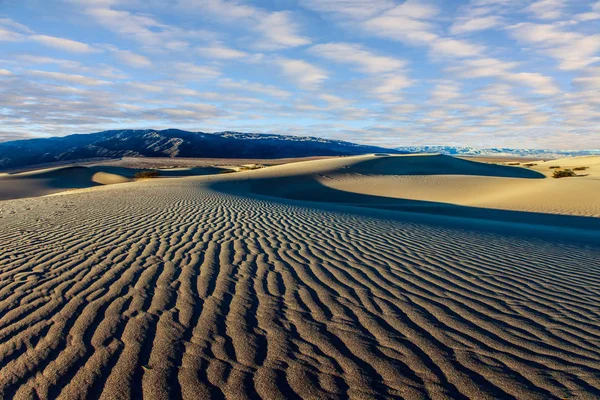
{"points": [[220, 287], [54, 180], [48, 181], [40, 181], [437, 182]]}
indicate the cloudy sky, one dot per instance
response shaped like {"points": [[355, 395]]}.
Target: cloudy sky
{"points": [[483, 73]]}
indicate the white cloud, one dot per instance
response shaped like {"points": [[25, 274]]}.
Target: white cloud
{"points": [[591, 15], [455, 48], [5, 72], [476, 24], [221, 52], [269, 90], [590, 80], [231, 10], [335, 101], [547, 9], [154, 35], [35, 59], [356, 55], [15, 25], [146, 87], [483, 68], [541, 84], [63, 44], [191, 71], [68, 78], [305, 75], [502, 95], [185, 92], [408, 22], [132, 59], [185, 112], [413, 23], [7, 35], [355, 9], [103, 70], [573, 50], [445, 91], [494, 68], [11, 31], [388, 88], [279, 31]]}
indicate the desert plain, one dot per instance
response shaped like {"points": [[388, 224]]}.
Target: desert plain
{"points": [[366, 277]]}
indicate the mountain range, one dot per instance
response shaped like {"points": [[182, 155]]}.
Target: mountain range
{"points": [[229, 144], [172, 143], [497, 151]]}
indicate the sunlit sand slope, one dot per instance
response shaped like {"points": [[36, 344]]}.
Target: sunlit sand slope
{"points": [[439, 179]]}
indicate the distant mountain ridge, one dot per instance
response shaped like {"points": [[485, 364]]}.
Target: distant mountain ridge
{"points": [[497, 151], [173, 143]]}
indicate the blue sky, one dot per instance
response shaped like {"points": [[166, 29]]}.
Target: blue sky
{"points": [[484, 73]]}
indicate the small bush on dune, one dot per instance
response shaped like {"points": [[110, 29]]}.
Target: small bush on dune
{"points": [[513, 163], [580, 168], [146, 174], [529, 165], [564, 173], [250, 167], [554, 167]]}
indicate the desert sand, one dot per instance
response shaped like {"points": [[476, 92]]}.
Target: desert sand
{"points": [[54, 180], [44, 180], [307, 280], [440, 184]]}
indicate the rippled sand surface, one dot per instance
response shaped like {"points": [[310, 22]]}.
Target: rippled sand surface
{"points": [[202, 288]]}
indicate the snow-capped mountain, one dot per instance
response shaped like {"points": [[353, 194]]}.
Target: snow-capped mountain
{"points": [[500, 152], [173, 143]]}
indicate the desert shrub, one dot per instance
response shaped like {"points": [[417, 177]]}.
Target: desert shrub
{"points": [[147, 174], [554, 167], [513, 163], [563, 173], [250, 167], [529, 165], [227, 171], [580, 168]]}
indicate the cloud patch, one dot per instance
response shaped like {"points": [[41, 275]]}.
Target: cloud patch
{"points": [[305, 75]]}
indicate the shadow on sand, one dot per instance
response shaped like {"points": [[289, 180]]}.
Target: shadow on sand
{"points": [[307, 188], [162, 173], [55, 180], [437, 165]]}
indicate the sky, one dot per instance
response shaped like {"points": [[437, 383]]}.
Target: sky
{"points": [[481, 73]]}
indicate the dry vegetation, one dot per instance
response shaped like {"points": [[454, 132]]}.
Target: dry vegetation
{"points": [[564, 173], [250, 167], [147, 174]]}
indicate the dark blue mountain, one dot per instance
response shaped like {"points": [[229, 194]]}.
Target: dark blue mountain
{"points": [[173, 143]]}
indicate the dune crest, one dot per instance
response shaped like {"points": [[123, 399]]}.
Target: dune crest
{"points": [[106, 178], [436, 181], [64, 179], [52, 180]]}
